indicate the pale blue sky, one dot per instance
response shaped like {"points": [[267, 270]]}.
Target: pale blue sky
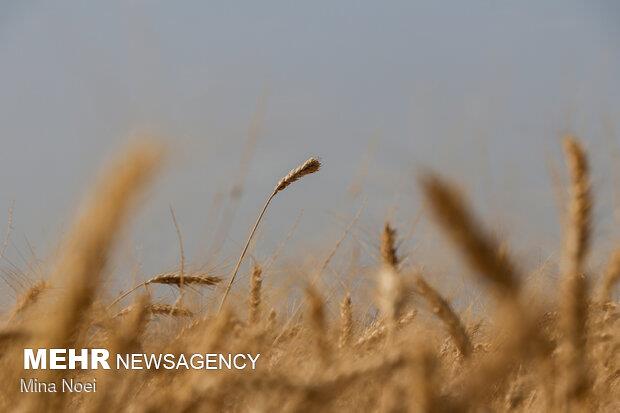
{"points": [[478, 89]]}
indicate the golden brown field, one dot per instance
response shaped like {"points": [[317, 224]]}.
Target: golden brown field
{"points": [[524, 353]]}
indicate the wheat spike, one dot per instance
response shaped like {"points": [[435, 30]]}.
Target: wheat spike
{"points": [[173, 278], [181, 251], [256, 282], [480, 250], [611, 277], [444, 311], [311, 166], [574, 296], [388, 247], [391, 288], [79, 271], [578, 233], [168, 310]]}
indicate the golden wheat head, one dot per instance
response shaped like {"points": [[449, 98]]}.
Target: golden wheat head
{"points": [[480, 250], [311, 166], [578, 233], [389, 254]]}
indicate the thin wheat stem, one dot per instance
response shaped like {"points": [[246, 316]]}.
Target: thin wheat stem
{"points": [[181, 255], [245, 250]]}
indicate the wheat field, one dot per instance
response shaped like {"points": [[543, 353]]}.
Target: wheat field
{"points": [[416, 352]]}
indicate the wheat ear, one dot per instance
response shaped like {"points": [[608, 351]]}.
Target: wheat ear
{"points": [[256, 282], [181, 250], [388, 246], [28, 298], [311, 166], [318, 322], [576, 246], [172, 278], [346, 321], [441, 307], [391, 288], [79, 272], [480, 250]]}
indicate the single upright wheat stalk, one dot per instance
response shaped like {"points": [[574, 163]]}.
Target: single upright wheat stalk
{"points": [[578, 232], [346, 321], [168, 310], [127, 337], [256, 282], [379, 330], [576, 245], [425, 380], [480, 250], [80, 268], [158, 309], [311, 166], [391, 295]]}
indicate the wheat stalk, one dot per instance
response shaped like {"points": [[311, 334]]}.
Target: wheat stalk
{"points": [[311, 166], [78, 274], [578, 233], [391, 287], [85, 254], [441, 307], [346, 321], [480, 250], [169, 310], [380, 330], [256, 282], [318, 323], [28, 298], [388, 247], [173, 278], [576, 245]]}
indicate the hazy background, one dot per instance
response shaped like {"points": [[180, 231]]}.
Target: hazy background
{"points": [[481, 90]]}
